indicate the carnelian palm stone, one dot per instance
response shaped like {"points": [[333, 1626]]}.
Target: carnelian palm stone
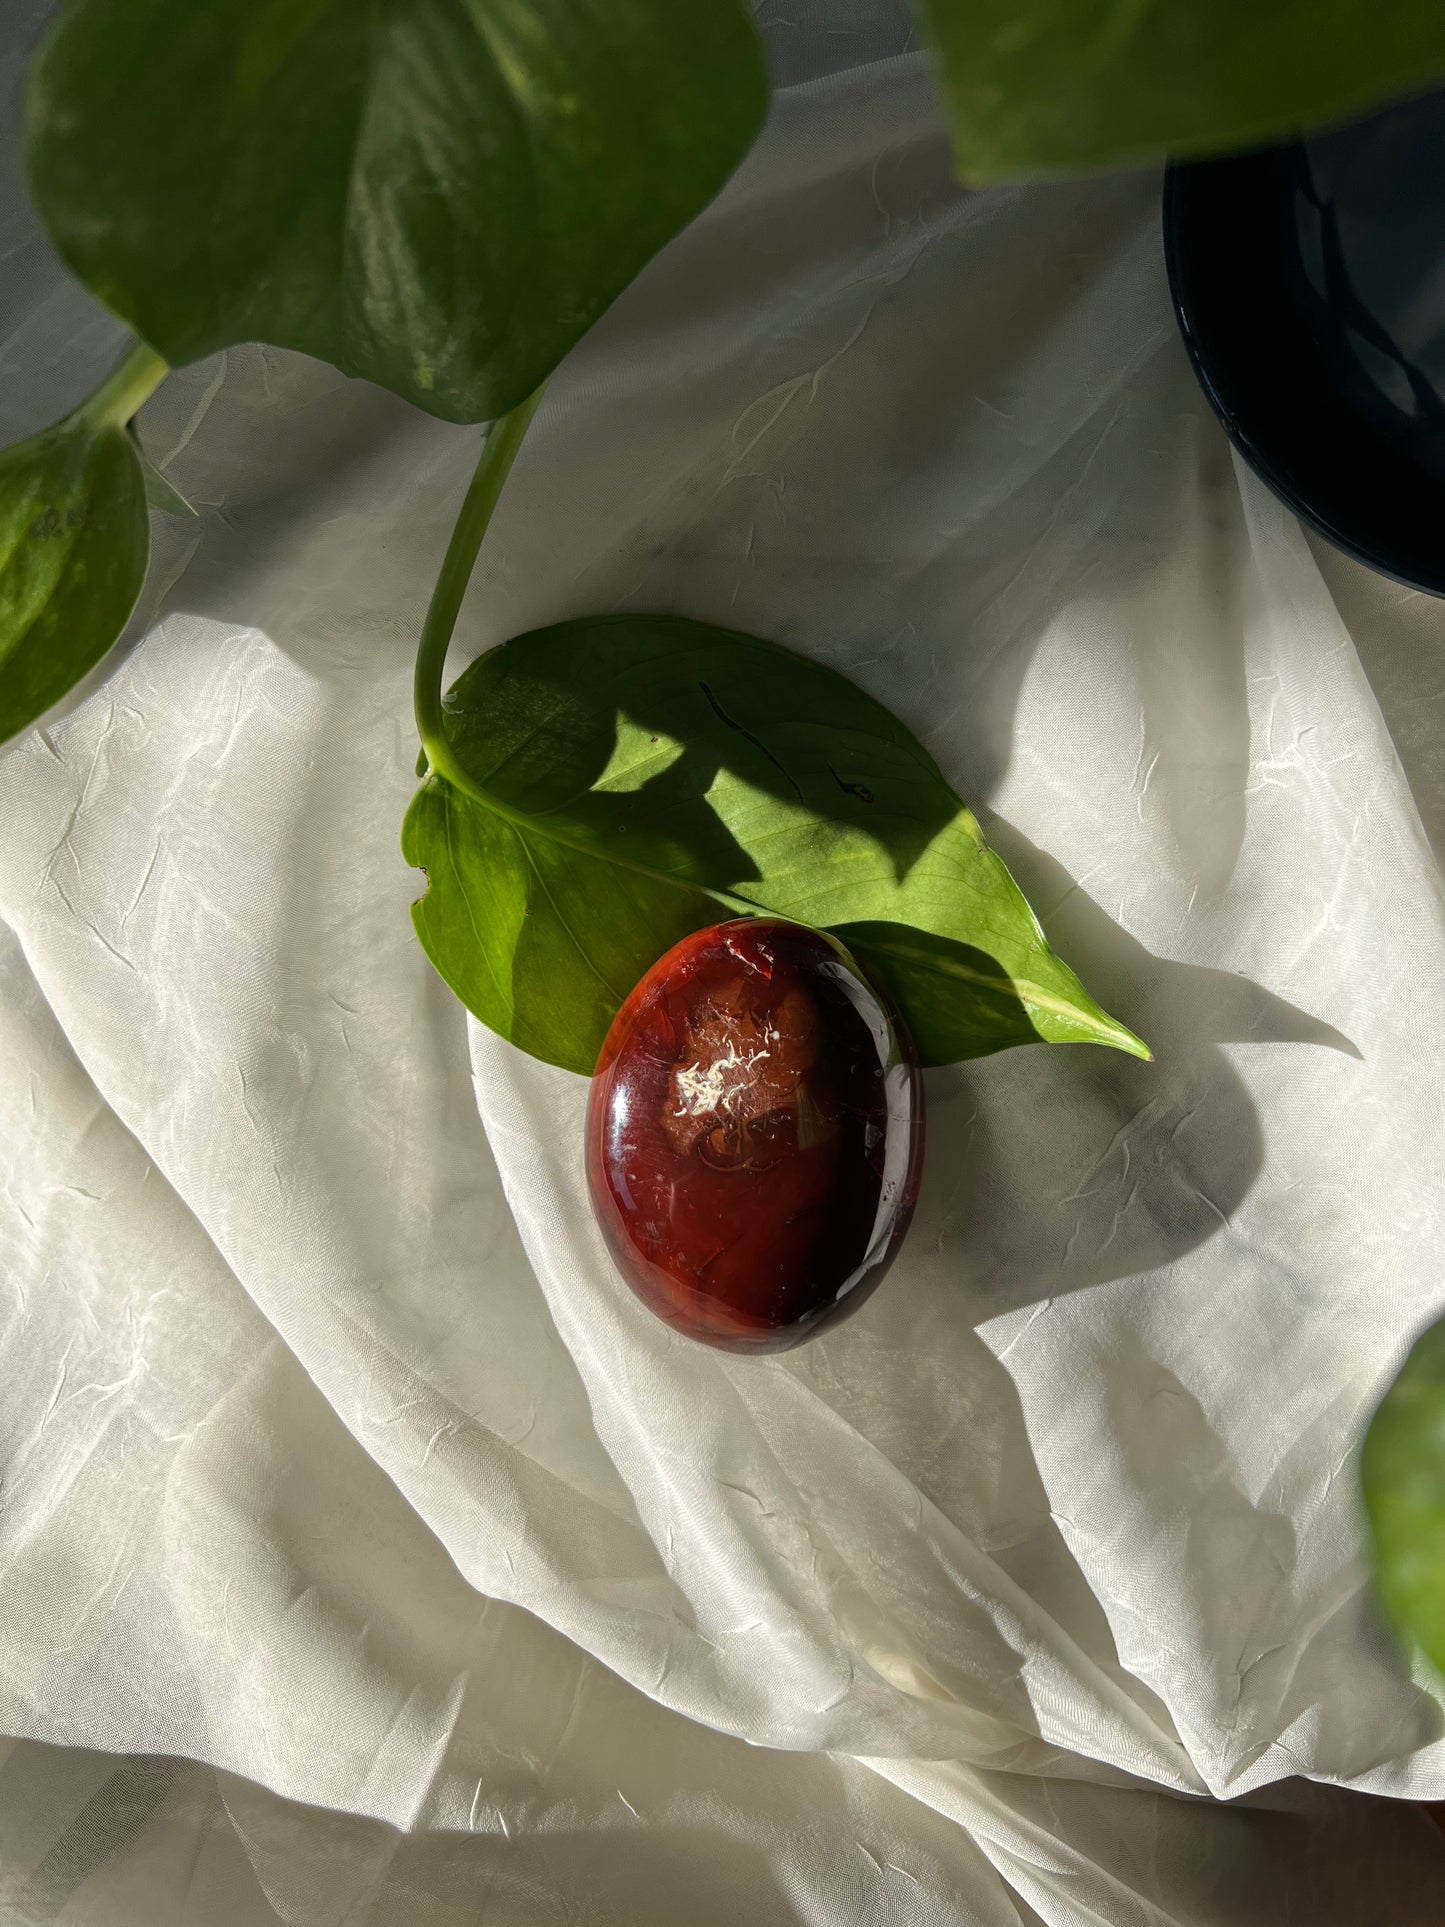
{"points": [[754, 1135]]}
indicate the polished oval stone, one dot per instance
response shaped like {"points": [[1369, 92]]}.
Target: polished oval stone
{"points": [[754, 1135]]}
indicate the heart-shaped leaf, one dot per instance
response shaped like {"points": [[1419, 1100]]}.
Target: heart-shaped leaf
{"points": [[74, 542], [646, 775], [1403, 1467], [440, 195], [1075, 83]]}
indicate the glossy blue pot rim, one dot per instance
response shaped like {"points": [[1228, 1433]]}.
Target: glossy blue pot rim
{"points": [[1328, 496]]}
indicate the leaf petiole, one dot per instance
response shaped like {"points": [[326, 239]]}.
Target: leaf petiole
{"points": [[132, 382], [504, 438]]}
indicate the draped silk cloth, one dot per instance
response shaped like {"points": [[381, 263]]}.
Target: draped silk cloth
{"points": [[413, 1571]]}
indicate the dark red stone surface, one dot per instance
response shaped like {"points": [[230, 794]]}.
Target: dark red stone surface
{"points": [[754, 1135]]}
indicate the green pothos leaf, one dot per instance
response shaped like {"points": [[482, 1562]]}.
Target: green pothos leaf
{"points": [[440, 195], [647, 775], [74, 542], [1076, 83], [1403, 1468]]}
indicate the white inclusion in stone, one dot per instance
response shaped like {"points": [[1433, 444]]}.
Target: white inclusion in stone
{"points": [[708, 1090]]}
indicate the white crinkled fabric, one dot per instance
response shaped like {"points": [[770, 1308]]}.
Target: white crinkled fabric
{"points": [[416, 1573]]}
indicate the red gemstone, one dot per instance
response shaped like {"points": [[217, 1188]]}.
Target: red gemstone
{"points": [[754, 1135]]}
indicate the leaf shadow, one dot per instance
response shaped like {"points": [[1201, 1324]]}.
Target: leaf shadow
{"points": [[970, 987], [1049, 1173], [863, 785], [669, 824], [665, 823], [1057, 1180], [736, 720]]}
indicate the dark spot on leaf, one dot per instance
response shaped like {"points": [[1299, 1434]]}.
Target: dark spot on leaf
{"points": [[748, 736], [45, 526], [860, 790], [74, 517]]}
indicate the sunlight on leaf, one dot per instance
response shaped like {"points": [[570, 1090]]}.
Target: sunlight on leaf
{"points": [[648, 775]]}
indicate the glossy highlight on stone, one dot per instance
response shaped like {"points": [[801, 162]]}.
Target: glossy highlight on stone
{"points": [[754, 1135]]}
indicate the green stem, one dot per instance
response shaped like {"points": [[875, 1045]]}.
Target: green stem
{"points": [[504, 438], [124, 389]]}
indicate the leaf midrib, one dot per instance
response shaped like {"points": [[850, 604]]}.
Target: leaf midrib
{"points": [[526, 826], [647, 669], [1029, 993]]}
